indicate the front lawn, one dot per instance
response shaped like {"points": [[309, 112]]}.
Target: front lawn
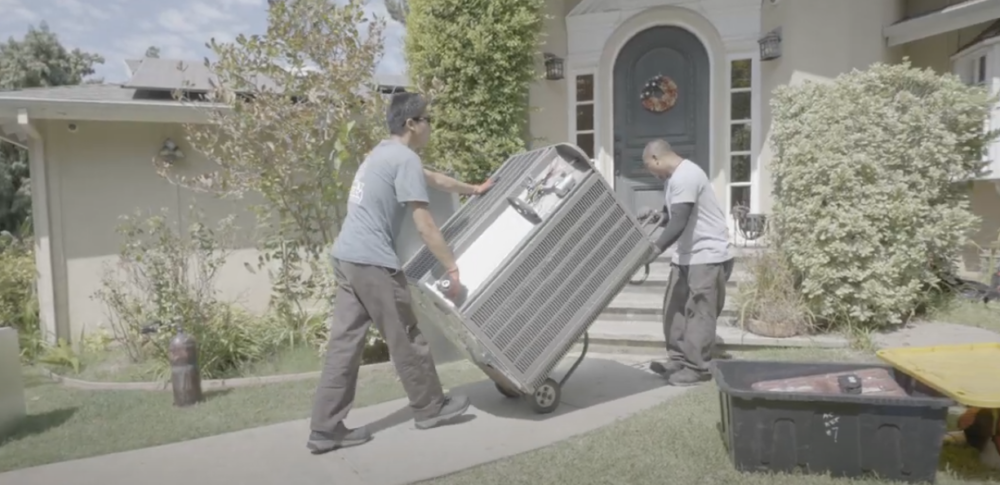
{"points": [[675, 443], [973, 314], [65, 424]]}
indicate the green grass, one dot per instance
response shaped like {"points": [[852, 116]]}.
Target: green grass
{"points": [[676, 442], [969, 313], [65, 424]]}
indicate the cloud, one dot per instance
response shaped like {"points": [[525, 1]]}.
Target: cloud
{"points": [[79, 9], [16, 12], [124, 29]]}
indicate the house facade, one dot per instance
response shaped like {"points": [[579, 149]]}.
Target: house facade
{"points": [[91, 146], [710, 51]]}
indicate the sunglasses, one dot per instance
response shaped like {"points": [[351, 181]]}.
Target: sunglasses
{"points": [[423, 118]]}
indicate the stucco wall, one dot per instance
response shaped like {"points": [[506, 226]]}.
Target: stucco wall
{"points": [[548, 99], [820, 40], [104, 170]]}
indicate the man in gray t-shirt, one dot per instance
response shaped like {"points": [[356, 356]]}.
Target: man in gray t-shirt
{"points": [[700, 267], [371, 286]]}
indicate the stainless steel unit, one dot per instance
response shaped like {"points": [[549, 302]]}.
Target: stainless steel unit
{"points": [[540, 256]]}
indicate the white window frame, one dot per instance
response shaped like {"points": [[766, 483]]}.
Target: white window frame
{"points": [[755, 135], [573, 104], [967, 66]]}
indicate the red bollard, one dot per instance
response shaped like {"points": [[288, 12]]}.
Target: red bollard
{"points": [[185, 377]]}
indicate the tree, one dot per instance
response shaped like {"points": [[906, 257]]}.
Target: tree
{"points": [[479, 58], [153, 52], [38, 60], [303, 115], [398, 10]]}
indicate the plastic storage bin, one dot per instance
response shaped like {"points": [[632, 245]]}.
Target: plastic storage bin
{"points": [[896, 438]]}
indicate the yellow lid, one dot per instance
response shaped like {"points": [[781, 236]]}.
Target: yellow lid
{"points": [[968, 373]]}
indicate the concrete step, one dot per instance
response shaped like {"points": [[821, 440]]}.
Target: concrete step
{"points": [[646, 333], [634, 301], [659, 275]]}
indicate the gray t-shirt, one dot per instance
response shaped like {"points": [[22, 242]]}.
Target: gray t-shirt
{"points": [[391, 176], [705, 240]]}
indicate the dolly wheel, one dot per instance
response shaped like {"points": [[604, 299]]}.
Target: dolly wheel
{"points": [[505, 392], [546, 397]]}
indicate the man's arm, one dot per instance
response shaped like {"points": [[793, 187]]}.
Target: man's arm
{"points": [[680, 214], [684, 191], [431, 236], [445, 183]]}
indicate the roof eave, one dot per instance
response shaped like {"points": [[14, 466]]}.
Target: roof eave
{"points": [[91, 110]]}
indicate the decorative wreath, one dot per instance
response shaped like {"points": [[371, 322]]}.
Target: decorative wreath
{"points": [[659, 94]]}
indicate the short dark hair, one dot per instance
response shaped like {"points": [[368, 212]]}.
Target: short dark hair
{"points": [[403, 107]]}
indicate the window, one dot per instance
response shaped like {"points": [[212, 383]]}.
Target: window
{"points": [[740, 131], [585, 113]]}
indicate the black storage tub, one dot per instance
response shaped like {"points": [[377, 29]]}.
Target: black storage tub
{"points": [[841, 435]]}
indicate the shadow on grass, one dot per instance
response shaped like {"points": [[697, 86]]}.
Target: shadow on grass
{"points": [[33, 424]]}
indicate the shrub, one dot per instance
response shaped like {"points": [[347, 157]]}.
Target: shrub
{"points": [[769, 303], [165, 278], [478, 59], [18, 298], [869, 200]]}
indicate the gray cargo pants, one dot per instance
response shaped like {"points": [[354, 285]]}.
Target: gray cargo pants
{"points": [[372, 294], [695, 297]]}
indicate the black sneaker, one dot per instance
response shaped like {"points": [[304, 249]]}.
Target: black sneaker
{"points": [[320, 442], [666, 369], [688, 377], [454, 406]]}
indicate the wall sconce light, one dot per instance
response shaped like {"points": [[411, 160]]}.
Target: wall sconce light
{"points": [[553, 67], [170, 152], [770, 45]]}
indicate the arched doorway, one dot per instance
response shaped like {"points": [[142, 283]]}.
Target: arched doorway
{"points": [[679, 55]]}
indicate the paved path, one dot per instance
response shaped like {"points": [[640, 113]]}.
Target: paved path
{"points": [[601, 392], [925, 334]]}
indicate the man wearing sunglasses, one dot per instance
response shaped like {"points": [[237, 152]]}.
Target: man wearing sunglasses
{"points": [[371, 286]]}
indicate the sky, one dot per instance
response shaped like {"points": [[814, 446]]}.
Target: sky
{"points": [[124, 29]]}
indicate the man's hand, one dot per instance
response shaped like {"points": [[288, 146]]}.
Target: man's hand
{"points": [[483, 187], [455, 286], [652, 257]]}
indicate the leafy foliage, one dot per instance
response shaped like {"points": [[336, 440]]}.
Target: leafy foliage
{"points": [[869, 202], [165, 279], [18, 300], [300, 117], [40, 60], [37, 60], [478, 58], [15, 190]]}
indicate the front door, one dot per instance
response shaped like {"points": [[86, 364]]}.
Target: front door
{"points": [[659, 57]]}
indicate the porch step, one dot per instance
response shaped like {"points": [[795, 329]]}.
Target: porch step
{"points": [[633, 302], [659, 276], [646, 333]]}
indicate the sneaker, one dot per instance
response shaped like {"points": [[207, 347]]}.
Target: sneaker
{"points": [[321, 442], [665, 369], [688, 377], [454, 406]]}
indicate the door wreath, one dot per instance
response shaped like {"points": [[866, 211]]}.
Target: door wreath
{"points": [[659, 94]]}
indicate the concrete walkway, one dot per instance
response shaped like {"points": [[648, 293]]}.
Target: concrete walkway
{"points": [[926, 334], [601, 392]]}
